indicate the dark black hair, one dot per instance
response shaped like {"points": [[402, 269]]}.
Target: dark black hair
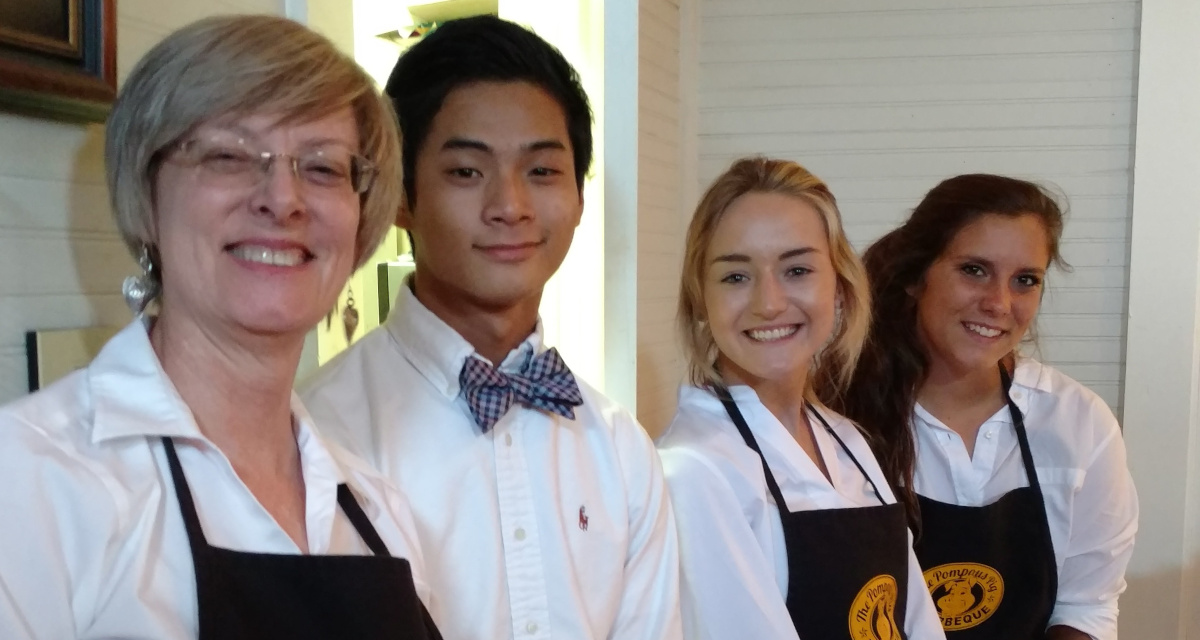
{"points": [[482, 49]]}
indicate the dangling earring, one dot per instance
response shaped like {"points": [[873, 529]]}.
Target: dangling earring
{"points": [[350, 315], [141, 290]]}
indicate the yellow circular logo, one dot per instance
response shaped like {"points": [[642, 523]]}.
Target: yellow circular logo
{"points": [[873, 614], [964, 593]]}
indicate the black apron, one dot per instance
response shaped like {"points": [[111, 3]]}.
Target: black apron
{"points": [[242, 595], [991, 569], [847, 568]]}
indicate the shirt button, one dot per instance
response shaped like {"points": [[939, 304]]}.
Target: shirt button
{"points": [[520, 535], [508, 439], [531, 628], [988, 435], [1017, 395]]}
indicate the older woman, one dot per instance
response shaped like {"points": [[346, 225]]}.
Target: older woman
{"points": [[787, 528], [176, 488]]}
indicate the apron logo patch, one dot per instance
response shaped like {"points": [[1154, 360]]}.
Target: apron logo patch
{"points": [[964, 593], [873, 614]]}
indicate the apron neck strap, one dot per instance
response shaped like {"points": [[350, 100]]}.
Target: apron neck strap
{"points": [[849, 453], [735, 414], [199, 543], [360, 521], [739, 421], [1019, 426], [183, 494]]}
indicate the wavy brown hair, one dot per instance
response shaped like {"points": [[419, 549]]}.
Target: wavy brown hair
{"points": [[893, 364]]}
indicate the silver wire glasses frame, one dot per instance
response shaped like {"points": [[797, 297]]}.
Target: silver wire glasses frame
{"points": [[235, 163]]}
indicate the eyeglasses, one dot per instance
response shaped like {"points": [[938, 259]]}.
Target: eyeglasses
{"points": [[232, 161]]}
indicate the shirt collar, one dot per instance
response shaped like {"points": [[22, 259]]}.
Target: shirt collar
{"points": [[1029, 376], [1032, 375], [318, 456], [784, 455], [131, 394], [437, 351], [133, 397]]}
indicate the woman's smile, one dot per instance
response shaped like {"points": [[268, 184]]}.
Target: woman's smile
{"points": [[772, 334]]}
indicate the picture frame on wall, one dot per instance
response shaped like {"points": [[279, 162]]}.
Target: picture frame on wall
{"points": [[58, 58], [55, 353]]}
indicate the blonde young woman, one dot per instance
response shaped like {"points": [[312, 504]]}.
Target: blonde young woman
{"points": [[787, 526]]}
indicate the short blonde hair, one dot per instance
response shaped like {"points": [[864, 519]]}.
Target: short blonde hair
{"points": [[241, 65], [835, 363]]}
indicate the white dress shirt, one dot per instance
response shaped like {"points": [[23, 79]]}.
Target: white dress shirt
{"points": [[92, 542], [542, 527], [1079, 455], [731, 545]]}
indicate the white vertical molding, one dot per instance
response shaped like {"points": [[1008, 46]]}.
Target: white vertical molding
{"points": [[296, 10], [620, 197], [689, 109], [1162, 376]]}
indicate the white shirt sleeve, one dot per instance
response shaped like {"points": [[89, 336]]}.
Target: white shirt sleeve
{"points": [[1102, 529], [728, 580], [57, 525], [649, 607], [921, 621]]}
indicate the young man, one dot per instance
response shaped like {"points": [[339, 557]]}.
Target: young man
{"points": [[540, 503]]}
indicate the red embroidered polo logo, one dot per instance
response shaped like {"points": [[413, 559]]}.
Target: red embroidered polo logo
{"points": [[583, 519]]}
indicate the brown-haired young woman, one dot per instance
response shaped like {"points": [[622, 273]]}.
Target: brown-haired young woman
{"points": [[1013, 473]]}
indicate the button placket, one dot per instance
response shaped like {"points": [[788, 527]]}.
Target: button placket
{"points": [[523, 564], [984, 461], [959, 462]]}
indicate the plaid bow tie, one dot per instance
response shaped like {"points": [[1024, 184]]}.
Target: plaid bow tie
{"points": [[546, 383]]}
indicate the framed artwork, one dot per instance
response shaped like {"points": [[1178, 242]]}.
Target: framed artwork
{"points": [[58, 58], [55, 353]]}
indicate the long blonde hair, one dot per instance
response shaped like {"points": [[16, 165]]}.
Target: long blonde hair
{"points": [[835, 363]]}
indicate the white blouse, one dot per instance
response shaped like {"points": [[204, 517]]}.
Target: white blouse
{"points": [[732, 554], [1079, 455], [92, 542]]}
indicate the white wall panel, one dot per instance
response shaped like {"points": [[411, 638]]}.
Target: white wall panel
{"points": [[884, 98], [1162, 390]]}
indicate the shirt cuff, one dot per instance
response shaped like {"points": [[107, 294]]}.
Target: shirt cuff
{"points": [[1097, 620]]}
